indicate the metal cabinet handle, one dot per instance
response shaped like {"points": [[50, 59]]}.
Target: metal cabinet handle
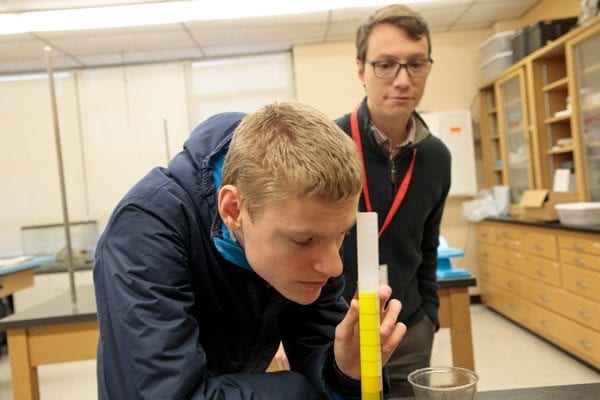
{"points": [[579, 261], [538, 246], [585, 344], [510, 285], [543, 298], [582, 284], [585, 314], [577, 246], [542, 273], [544, 323]]}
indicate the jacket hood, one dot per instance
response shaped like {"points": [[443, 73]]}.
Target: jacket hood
{"points": [[191, 167]]}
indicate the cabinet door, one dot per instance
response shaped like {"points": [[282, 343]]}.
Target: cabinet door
{"points": [[491, 149], [551, 113], [514, 128], [585, 53]]}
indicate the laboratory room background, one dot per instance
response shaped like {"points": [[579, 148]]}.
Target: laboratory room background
{"points": [[94, 94]]}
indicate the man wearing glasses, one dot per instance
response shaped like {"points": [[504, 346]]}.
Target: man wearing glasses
{"points": [[406, 177]]}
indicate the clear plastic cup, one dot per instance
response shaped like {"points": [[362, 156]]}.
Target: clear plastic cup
{"points": [[443, 383]]}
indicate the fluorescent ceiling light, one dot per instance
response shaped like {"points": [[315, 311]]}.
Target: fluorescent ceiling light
{"points": [[167, 12], [31, 77]]}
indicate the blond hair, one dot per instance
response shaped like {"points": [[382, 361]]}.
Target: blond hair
{"points": [[289, 150], [398, 15]]}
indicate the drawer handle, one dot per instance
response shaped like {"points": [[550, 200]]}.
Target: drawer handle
{"points": [[579, 261], [544, 323], [585, 344], [517, 242], [582, 284], [486, 254], [541, 273], [510, 285], [538, 246], [512, 306], [507, 263], [543, 298], [585, 314], [577, 246], [486, 274]]}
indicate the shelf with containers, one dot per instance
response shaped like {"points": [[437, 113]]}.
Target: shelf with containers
{"points": [[551, 112], [547, 117]]}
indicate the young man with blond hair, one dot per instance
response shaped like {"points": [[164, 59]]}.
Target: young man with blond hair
{"points": [[407, 176], [206, 265]]}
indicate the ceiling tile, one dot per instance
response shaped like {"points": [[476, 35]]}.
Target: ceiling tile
{"points": [[221, 38]]}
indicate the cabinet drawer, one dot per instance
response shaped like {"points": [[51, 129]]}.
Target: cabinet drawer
{"points": [[541, 244], [581, 243], [510, 259], [581, 341], [505, 303], [543, 270], [580, 259], [506, 280], [485, 233], [581, 310], [581, 282], [514, 244], [506, 231], [487, 252]]}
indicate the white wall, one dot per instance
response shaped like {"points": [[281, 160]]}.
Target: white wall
{"points": [[113, 123]]}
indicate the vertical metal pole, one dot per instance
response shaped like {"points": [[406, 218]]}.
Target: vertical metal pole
{"points": [[61, 175]]}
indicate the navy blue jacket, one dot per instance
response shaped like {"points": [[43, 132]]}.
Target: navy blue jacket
{"points": [[409, 245], [179, 321]]}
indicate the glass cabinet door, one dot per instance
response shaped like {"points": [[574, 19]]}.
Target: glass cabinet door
{"points": [[491, 147], [587, 77], [515, 132]]}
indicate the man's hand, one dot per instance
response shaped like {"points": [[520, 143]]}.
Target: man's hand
{"points": [[346, 348]]}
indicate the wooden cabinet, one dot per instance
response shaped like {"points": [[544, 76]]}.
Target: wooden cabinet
{"points": [[543, 114], [546, 279]]}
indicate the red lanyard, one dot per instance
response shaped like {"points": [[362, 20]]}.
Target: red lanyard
{"points": [[403, 186]]}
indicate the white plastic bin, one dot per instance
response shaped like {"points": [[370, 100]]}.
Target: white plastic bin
{"points": [[581, 213], [498, 63], [498, 43]]}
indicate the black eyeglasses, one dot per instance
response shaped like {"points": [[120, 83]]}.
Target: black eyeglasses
{"points": [[391, 69]]}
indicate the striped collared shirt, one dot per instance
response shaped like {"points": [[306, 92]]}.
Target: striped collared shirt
{"points": [[392, 150]]}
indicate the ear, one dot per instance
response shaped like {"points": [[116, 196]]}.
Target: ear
{"points": [[230, 206], [361, 70]]}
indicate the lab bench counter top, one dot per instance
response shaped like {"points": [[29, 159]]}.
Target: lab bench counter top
{"points": [[56, 310], [542, 224], [589, 391]]}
